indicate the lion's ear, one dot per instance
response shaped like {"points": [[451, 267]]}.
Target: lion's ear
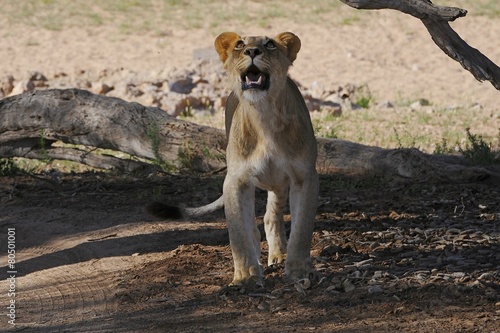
{"points": [[224, 42], [291, 42]]}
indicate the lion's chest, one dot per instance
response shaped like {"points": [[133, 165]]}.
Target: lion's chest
{"points": [[267, 167], [265, 148]]}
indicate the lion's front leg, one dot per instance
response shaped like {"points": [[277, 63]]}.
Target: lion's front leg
{"points": [[244, 236], [274, 225], [303, 204]]}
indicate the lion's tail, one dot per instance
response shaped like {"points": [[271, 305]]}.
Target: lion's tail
{"points": [[168, 212]]}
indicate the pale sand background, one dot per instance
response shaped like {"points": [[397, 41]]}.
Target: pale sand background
{"points": [[389, 51]]}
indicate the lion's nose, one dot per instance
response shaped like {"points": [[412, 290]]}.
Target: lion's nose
{"points": [[253, 52]]}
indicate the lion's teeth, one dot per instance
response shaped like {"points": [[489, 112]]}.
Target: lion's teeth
{"points": [[258, 82]]}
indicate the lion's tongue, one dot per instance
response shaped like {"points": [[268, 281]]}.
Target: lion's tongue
{"points": [[254, 79]]}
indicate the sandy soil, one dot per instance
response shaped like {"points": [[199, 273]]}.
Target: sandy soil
{"points": [[395, 258], [389, 51]]}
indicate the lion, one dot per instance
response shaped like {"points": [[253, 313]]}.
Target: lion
{"points": [[271, 145]]}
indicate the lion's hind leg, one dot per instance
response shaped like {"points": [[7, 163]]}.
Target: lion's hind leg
{"points": [[303, 203]]}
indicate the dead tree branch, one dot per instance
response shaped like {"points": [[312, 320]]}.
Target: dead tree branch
{"points": [[435, 19]]}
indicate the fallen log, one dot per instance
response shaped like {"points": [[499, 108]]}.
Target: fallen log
{"points": [[75, 124]]}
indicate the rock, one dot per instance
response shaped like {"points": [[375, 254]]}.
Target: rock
{"points": [[149, 100], [199, 88], [348, 286], [182, 86], [213, 78], [417, 105], [334, 110], [22, 87], [100, 88], [39, 80], [313, 104], [317, 89], [148, 88], [60, 74], [187, 104], [220, 102], [476, 107], [385, 105], [375, 289], [7, 85], [168, 103]]}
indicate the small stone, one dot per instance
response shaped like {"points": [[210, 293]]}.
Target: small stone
{"points": [[385, 105], [220, 103], [7, 85], [333, 110], [182, 86], [419, 104], [375, 289], [348, 286], [100, 88], [22, 87]]}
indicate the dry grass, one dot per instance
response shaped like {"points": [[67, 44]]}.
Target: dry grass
{"points": [[133, 16], [402, 127], [144, 16], [399, 127], [425, 129]]}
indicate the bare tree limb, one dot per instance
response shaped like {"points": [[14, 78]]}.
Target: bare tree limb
{"points": [[435, 19]]}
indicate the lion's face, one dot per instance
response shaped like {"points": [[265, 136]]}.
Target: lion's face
{"points": [[257, 65]]}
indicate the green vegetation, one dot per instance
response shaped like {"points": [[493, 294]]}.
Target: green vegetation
{"points": [[330, 130], [406, 140], [479, 152], [188, 157], [8, 167], [443, 148], [153, 134], [362, 97], [430, 129], [42, 145]]}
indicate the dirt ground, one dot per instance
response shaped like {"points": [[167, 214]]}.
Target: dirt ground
{"points": [[394, 257]]}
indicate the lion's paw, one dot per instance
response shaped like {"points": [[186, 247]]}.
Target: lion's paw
{"points": [[302, 270], [276, 259], [248, 284]]}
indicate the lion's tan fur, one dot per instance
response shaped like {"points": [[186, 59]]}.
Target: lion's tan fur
{"points": [[271, 145]]}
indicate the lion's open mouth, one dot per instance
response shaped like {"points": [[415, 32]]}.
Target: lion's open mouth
{"points": [[253, 78]]}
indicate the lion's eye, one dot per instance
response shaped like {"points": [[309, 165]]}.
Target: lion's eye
{"points": [[270, 45], [239, 46]]}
